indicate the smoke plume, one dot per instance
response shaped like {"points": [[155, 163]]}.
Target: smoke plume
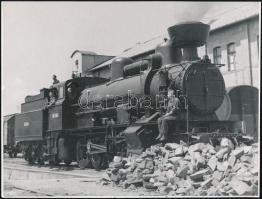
{"points": [[192, 11]]}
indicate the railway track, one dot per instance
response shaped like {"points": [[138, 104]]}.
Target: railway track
{"points": [[21, 179], [22, 162], [33, 192], [45, 172]]}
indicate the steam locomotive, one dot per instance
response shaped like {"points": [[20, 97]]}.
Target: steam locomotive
{"points": [[95, 118]]}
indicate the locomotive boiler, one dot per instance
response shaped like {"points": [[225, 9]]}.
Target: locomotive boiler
{"points": [[95, 118], [199, 80]]}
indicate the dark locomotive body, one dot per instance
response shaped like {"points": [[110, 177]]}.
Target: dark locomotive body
{"points": [[102, 117]]}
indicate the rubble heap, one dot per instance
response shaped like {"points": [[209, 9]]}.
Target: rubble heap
{"points": [[199, 169]]}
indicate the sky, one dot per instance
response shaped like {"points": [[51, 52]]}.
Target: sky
{"points": [[37, 38]]}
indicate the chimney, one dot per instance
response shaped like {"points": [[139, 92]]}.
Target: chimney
{"points": [[188, 36]]}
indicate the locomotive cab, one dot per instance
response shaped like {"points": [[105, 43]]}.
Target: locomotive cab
{"points": [[62, 112]]}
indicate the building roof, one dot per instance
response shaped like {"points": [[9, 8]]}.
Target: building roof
{"points": [[83, 52], [222, 20], [139, 48], [232, 16], [102, 65]]}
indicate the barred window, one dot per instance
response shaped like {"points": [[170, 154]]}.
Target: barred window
{"points": [[231, 56], [217, 55]]}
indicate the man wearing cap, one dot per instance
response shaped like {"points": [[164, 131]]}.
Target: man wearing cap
{"points": [[172, 110], [72, 91], [55, 80], [52, 99]]}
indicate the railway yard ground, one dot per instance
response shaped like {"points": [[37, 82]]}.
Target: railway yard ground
{"points": [[162, 170], [22, 180]]}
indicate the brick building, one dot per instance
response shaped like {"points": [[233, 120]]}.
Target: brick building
{"points": [[83, 61], [234, 41]]}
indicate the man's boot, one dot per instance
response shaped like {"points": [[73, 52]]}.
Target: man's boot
{"points": [[159, 136], [162, 138]]}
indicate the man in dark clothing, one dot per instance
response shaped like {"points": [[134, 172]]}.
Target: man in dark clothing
{"points": [[52, 99], [172, 110], [55, 80], [72, 91]]}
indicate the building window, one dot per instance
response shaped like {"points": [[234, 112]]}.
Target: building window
{"points": [[76, 65], [231, 56], [217, 55]]}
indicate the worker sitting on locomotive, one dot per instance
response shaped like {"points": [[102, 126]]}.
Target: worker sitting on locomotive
{"points": [[171, 112], [55, 80], [72, 91], [52, 99]]}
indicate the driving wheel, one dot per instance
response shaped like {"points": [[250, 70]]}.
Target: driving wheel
{"points": [[81, 157], [97, 161]]}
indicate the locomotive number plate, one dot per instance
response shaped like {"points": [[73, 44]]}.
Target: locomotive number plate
{"points": [[55, 115], [26, 123]]}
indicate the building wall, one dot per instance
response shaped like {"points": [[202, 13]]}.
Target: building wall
{"points": [[254, 44], [87, 62], [77, 57], [245, 36]]}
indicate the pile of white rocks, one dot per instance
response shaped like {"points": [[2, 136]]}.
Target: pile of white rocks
{"points": [[195, 170]]}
